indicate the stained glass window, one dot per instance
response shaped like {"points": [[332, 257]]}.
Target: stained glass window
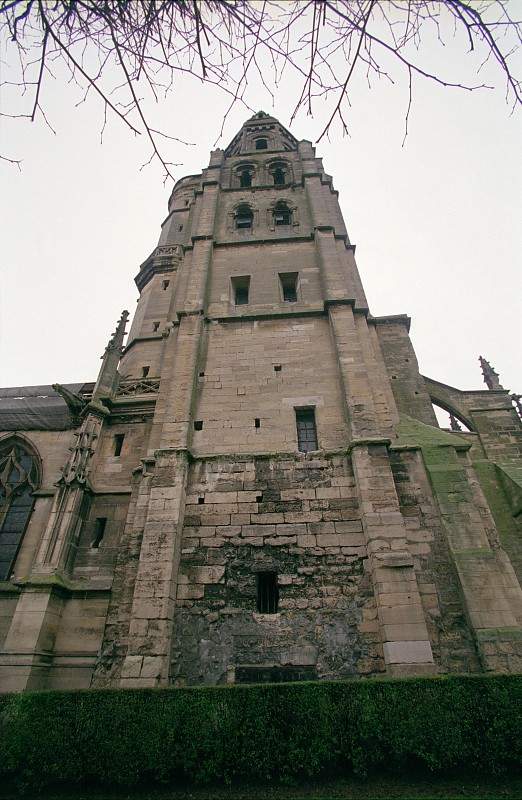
{"points": [[18, 480]]}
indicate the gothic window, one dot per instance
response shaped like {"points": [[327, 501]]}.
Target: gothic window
{"points": [[306, 429], [18, 480], [282, 214], [244, 217], [261, 144], [245, 178]]}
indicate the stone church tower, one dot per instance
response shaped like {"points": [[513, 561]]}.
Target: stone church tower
{"points": [[256, 486]]}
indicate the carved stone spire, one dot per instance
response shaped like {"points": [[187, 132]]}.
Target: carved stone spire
{"points": [[454, 423], [491, 378], [106, 382]]}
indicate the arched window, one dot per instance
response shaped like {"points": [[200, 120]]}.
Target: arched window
{"points": [[245, 178], [282, 214], [261, 144], [279, 176], [18, 480], [244, 216]]}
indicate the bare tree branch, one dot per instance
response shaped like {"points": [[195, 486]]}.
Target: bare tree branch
{"points": [[224, 42]]}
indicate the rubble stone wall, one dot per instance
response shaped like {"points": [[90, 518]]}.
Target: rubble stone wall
{"points": [[298, 517]]}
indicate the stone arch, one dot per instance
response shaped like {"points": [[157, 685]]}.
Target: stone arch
{"points": [[450, 409], [20, 476], [449, 399]]}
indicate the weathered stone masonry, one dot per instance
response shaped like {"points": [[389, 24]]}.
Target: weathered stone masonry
{"points": [[154, 509]]}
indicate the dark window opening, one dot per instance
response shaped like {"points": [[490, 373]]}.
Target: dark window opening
{"points": [[240, 289], [99, 531], [289, 286], [257, 422], [155, 326], [118, 443], [245, 178], [267, 593], [259, 498], [282, 214], [187, 202], [277, 367], [145, 371], [274, 673], [306, 429], [279, 177], [201, 374], [201, 501], [165, 284], [198, 425], [261, 144], [244, 217], [181, 227]]}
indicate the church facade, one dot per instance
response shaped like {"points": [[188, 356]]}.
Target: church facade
{"points": [[256, 486]]}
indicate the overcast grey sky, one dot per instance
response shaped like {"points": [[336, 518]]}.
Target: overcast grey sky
{"points": [[436, 222]]}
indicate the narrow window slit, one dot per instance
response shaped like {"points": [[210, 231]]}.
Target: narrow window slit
{"points": [[257, 422], [241, 289], [118, 443], [99, 532], [289, 286], [267, 593], [306, 429], [198, 425]]}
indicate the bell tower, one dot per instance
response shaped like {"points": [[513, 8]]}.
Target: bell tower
{"points": [[259, 489]]}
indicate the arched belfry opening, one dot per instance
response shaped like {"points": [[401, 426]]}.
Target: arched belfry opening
{"points": [[282, 214], [244, 216], [20, 476]]}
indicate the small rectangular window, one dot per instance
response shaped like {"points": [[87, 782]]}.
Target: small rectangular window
{"points": [[165, 284], [289, 286], [257, 422], [118, 443], [267, 593], [155, 326], [240, 289], [145, 371], [99, 531], [306, 429], [198, 425]]}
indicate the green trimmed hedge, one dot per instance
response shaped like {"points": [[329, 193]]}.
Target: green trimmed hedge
{"points": [[272, 732]]}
